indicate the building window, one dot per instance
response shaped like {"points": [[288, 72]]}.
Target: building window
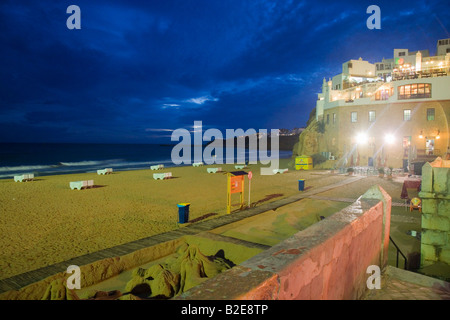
{"points": [[407, 115], [328, 119], [401, 54], [334, 117], [429, 147], [406, 146], [382, 94], [350, 65], [430, 114], [371, 116], [414, 91], [354, 116]]}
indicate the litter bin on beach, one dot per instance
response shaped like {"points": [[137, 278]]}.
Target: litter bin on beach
{"points": [[183, 212], [301, 185]]}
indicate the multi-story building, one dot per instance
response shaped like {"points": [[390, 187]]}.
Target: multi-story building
{"points": [[390, 113], [443, 47]]}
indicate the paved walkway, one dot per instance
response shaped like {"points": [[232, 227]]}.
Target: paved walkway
{"points": [[398, 284], [24, 279]]}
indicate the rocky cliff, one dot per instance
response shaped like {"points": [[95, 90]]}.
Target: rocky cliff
{"points": [[308, 141]]}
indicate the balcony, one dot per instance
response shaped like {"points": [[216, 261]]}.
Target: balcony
{"points": [[397, 76]]}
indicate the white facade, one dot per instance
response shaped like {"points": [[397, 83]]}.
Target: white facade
{"points": [[443, 47], [362, 83]]}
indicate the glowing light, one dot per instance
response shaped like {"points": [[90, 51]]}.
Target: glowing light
{"points": [[389, 138], [421, 135], [362, 138]]}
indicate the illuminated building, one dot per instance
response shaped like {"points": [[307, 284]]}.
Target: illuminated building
{"points": [[390, 113]]}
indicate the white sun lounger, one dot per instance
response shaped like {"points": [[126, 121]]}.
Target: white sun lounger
{"points": [[24, 177], [81, 184], [157, 167], [197, 164], [162, 176], [275, 171], [105, 171], [214, 170]]}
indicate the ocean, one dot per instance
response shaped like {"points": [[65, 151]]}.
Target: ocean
{"points": [[65, 158]]}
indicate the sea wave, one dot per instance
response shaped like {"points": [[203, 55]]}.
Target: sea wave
{"points": [[80, 163], [24, 168]]}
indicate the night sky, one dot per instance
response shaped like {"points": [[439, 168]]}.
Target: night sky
{"points": [[139, 69]]}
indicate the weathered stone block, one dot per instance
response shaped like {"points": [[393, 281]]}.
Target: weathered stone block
{"points": [[443, 208], [427, 178], [434, 237], [427, 253], [444, 256], [429, 206], [440, 181], [435, 222]]}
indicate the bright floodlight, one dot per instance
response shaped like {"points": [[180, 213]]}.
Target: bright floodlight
{"points": [[389, 138], [362, 138]]}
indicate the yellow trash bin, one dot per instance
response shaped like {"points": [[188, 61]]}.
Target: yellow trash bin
{"points": [[303, 163]]}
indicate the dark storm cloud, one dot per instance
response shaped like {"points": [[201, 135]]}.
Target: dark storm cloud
{"points": [[138, 69]]}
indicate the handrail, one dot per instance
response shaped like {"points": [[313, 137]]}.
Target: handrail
{"points": [[399, 251]]}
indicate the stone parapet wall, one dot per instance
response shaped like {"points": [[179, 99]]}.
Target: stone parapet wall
{"points": [[328, 260], [435, 195]]}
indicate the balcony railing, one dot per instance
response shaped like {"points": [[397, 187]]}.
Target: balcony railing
{"points": [[418, 75]]}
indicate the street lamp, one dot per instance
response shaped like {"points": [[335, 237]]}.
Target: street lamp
{"points": [[362, 138], [389, 138]]}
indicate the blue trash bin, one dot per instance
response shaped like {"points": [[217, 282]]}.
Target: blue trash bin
{"points": [[183, 212], [301, 185]]}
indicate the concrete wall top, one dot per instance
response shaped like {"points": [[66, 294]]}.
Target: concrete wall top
{"points": [[328, 260]]}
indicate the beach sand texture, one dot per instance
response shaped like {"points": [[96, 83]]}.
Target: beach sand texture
{"points": [[45, 222]]}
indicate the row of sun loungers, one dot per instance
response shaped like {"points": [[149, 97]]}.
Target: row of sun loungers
{"points": [[157, 176]]}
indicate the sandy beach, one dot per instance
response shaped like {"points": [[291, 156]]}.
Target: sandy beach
{"points": [[45, 222]]}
